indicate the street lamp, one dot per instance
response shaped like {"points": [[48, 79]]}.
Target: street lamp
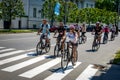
{"points": [[65, 11]]}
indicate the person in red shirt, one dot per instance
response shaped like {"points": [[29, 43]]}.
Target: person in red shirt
{"points": [[106, 31]]}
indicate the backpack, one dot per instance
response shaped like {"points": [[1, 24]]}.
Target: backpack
{"points": [[43, 26]]}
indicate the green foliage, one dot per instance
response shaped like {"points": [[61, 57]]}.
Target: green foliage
{"points": [[0, 11], [109, 5], [80, 15], [49, 5], [93, 15], [117, 58], [12, 9], [16, 31]]}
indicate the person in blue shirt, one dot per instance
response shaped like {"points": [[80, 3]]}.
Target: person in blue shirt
{"points": [[44, 29]]}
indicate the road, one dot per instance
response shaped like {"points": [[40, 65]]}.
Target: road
{"points": [[16, 64]]}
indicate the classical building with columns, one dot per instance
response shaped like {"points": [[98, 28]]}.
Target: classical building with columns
{"points": [[33, 14]]}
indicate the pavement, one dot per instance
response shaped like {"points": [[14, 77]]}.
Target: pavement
{"points": [[16, 64]]}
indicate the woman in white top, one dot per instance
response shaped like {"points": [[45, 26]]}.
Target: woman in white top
{"points": [[72, 37]]}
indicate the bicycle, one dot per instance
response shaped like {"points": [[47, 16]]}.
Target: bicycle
{"points": [[43, 44], [67, 56], [112, 36], [82, 39], [58, 48], [96, 43], [105, 39]]}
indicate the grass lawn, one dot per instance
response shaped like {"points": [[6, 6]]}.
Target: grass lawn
{"points": [[17, 31], [117, 58]]}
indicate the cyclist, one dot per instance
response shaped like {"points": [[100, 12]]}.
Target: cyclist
{"points": [[61, 34], [72, 37], [106, 31], [98, 32], [77, 29], [113, 30], [83, 29], [44, 28]]}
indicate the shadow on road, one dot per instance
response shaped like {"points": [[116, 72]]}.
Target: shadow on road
{"points": [[90, 50], [113, 73]]}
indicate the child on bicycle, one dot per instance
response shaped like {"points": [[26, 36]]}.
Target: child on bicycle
{"points": [[72, 38]]}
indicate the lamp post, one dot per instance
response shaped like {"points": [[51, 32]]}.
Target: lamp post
{"points": [[65, 11]]}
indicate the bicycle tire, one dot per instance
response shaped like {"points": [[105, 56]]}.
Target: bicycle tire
{"points": [[56, 51], [93, 46], [47, 47], [105, 40], [76, 58], [64, 60], [39, 48]]}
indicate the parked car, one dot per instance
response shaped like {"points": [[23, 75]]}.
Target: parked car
{"points": [[90, 28], [53, 28]]}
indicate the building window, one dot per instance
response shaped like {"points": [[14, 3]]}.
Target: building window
{"points": [[91, 5], [34, 12], [87, 5], [34, 26]]}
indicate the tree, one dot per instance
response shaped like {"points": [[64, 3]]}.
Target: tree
{"points": [[0, 11], [109, 5], [48, 10], [11, 9]]}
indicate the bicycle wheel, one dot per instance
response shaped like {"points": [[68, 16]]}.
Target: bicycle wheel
{"points": [[105, 40], [47, 47], [39, 48], [74, 58], [112, 37], [93, 46], [64, 59], [97, 45], [56, 51]]}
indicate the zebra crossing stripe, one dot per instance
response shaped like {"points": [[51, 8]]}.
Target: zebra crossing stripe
{"points": [[60, 75], [88, 73], [35, 71], [2, 47], [24, 64], [11, 53], [6, 50], [8, 60]]}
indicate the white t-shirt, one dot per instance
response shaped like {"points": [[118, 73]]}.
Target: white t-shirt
{"points": [[71, 37]]}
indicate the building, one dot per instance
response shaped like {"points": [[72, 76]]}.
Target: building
{"points": [[86, 3], [33, 14]]}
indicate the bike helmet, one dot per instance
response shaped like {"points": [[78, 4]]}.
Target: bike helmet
{"points": [[72, 27]]}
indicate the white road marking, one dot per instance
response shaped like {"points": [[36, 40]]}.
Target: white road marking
{"points": [[24, 64], [6, 50], [8, 60], [60, 75], [53, 44], [2, 47], [11, 53], [35, 71], [88, 73]]}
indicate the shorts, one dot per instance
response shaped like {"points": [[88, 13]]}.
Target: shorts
{"points": [[43, 36], [97, 36]]}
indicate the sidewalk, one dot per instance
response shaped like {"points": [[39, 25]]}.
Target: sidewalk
{"points": [[112, 73]]}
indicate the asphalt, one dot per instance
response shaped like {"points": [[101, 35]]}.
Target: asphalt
{"points": [[28, 41]]}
